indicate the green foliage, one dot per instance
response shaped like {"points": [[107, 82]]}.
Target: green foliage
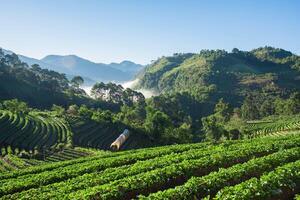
{"points": [[34, 132], [274, 184], [133, 116], [182, 134], [84, 111], [116, 94], [223, 111], [102, 116], [38, 87], [277, 55], [201, 186], [59, 110], [211, 75], [156, 123], [214, 125], [154, 173], [212, 128], [77, 81], [16, 106], [288, 106]]}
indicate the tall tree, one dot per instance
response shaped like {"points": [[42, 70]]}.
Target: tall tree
{"points": [[77, 81]]}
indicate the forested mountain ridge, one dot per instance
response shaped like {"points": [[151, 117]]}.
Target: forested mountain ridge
{"points": [[73, 65], [214, 74], [39, 87]]}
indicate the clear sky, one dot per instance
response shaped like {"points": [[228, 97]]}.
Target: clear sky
{"points": [[143, 30]]}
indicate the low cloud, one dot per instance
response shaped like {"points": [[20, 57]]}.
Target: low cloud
{"points": [[146, 92], [87, 89], [129, 84]]}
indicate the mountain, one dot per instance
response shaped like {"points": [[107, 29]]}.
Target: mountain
{"points": [[127, 66], [31, 61], [72, 65], [214, 74]]}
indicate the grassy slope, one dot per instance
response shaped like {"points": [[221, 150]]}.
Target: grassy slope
{"points": [[231, 75]]}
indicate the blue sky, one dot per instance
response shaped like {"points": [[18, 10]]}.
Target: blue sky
{"points": [[143, 30]]}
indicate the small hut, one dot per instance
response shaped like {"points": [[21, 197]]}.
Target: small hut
{"points": [[115, 146]]}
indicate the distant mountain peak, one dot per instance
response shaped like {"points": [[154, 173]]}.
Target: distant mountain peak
{"points": [[75, 65]]}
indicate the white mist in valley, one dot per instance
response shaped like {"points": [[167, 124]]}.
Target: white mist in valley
{"points": [[87, 89], [128, 84], [131, 84]]}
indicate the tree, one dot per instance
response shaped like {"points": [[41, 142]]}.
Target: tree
{"points": [[156, 123], [182, 134], [293, 103], [235, 50], [102, 116], [115, 92], [267, 108], [77, 81], [288, 106], [224, 110], [130, 97], [98, 91], [249, 108], [212, 129], [85, 112], [59, 110], [36, 67], [132, 116], [15, 105]]}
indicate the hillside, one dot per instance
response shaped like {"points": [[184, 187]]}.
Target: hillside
{"points": [[249, 169], [218, 74], [40, 133], [40, 88]]}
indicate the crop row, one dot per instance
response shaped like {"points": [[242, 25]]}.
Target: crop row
{"points": [[32, 132], [110, 174], [175, 174], [283, 182], [88, 133], [199, 187], [12, 162], [125, 175], [132, 155], [280, 127]]}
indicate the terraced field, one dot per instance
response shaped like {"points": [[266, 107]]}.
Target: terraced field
{"points": [[71, 153], [88, 133], [241, 169], [11, 162], [34, 132], [275, 128]]}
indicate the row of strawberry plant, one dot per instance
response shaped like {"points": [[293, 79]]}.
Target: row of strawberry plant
{"points": [[199, 187], [283, 182], [141, 154], [69, 171], [111, 174], [174, 174], [281, 125], [31, 132]]}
